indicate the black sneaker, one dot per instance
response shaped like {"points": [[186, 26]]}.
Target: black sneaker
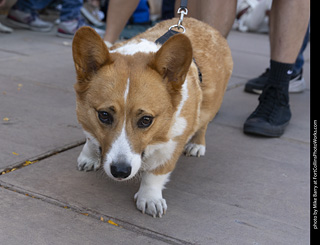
{"points": [[272, 114], [257, 84], [297, 83]]}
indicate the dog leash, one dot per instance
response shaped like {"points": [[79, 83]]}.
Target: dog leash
{"points": [[182, 11]]}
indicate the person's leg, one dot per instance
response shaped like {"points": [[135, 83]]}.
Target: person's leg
{"points": [[288, 23], [300, 60], [167, 9], [24, 14], [297, 82], [70, 10], [71, 19], [219, 14], [31, 6], [119, 12]]}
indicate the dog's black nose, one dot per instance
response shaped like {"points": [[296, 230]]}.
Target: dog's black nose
{"points": [[120, 170]]}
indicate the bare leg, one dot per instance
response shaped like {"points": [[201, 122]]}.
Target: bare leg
{"points": [[219, 14], [119, 12], [288, 24]]}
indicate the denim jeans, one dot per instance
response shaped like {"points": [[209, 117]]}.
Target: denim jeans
{"points": [[70, 8], [300, 60]]}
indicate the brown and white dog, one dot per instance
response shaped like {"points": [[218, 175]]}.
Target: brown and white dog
{"points": [[142, 104]]}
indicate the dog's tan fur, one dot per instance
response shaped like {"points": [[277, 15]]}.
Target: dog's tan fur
{"points": [[156, 81]]}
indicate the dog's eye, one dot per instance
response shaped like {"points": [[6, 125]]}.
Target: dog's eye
{"points": [[145, 122], [105, 117]]}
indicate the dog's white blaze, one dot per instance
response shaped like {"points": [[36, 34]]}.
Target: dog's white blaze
{"points": [[126, 92], [136, 46], [121, 151]]}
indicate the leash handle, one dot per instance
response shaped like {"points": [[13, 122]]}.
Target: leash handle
{"points": [[182, 11]]}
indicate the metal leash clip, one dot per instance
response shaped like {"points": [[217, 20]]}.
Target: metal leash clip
{"points": [[182, 12]]}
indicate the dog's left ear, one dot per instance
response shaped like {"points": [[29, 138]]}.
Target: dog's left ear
{"points": [[173, 60], [90, 53]]}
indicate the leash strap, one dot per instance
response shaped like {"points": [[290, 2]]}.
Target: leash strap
{"points": [[182, 11], [166, 36], [183, 4]]}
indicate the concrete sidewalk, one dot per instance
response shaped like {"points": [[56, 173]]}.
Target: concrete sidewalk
{"points": [[246, 190]]}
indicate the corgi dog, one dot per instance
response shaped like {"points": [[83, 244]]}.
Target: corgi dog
{"points": [[142, 104]]}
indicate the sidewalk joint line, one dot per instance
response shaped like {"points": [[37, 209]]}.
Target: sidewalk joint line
{"points": [[13, 52], [38, 158], [96, 215]]}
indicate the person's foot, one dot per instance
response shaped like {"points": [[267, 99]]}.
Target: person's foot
{"points": [[297, 83], [272, 114], [92, 14], [19, 19], [256, 85], [68, 28], [5, 29]]}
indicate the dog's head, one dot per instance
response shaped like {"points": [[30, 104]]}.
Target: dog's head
{"points": [[126, 102]]}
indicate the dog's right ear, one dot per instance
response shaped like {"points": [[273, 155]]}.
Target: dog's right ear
{"points": [[90, 53], [173, 59]]}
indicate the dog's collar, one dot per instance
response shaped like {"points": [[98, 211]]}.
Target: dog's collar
{"points": [[161, 40]]}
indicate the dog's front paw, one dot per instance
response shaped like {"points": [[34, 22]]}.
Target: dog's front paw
{"points": [[90, 156], [86, 163], [195, 150], [150, 203]]}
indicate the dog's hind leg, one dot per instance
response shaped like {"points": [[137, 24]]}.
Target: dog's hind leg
{"points": [[196, 147], [90, 156]]}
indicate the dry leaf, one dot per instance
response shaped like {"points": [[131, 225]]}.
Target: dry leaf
{"points": [[112, 223]]}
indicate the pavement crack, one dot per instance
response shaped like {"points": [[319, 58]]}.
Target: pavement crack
{"points": [[32, 160], [13, 52], [121, 224]]}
